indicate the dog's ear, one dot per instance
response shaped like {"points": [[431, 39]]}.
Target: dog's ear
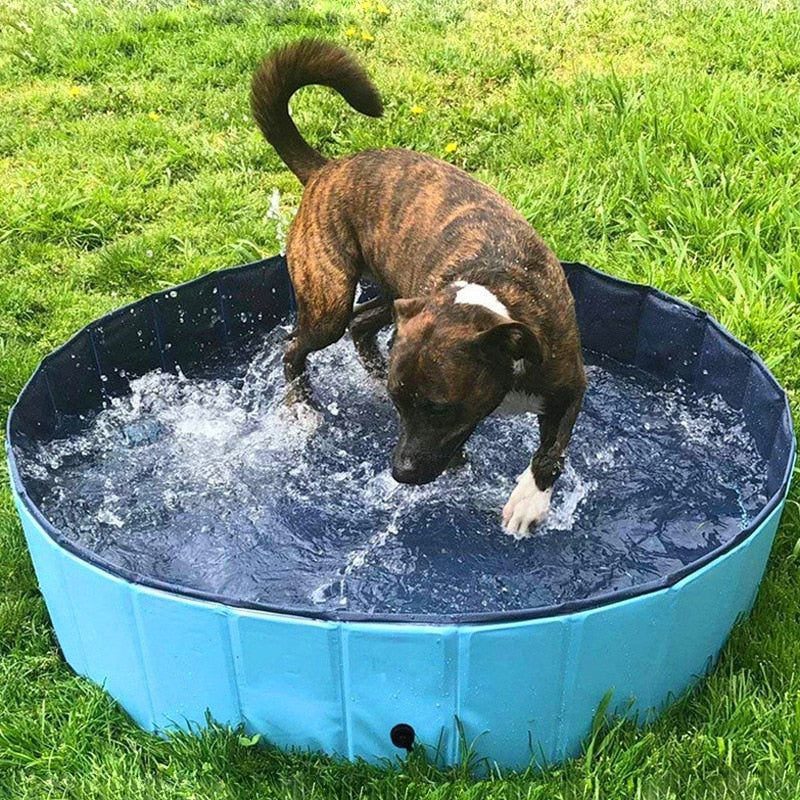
{"points": [[513, 339], [407, 309]]}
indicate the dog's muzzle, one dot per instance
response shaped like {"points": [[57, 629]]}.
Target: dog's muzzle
{"points": [[406, 471], [420, 460]]}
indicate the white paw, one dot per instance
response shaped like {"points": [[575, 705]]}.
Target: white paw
{"points": [[527, 504]]}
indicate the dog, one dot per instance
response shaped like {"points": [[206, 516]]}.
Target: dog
{"points": [[482, 310]]}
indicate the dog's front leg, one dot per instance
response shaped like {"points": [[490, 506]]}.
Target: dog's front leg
{"points": [[530, 500], [365, 323]]}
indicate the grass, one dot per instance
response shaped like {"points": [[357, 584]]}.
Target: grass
{"points": [[658, 141]]}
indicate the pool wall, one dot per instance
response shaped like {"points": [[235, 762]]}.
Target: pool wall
{"points": [[520, 692], [519, 686]]}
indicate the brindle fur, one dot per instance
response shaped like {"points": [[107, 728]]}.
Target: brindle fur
{"points": [[417, 224]]}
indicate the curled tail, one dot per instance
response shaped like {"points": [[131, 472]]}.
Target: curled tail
{"points": [[283, 72]]}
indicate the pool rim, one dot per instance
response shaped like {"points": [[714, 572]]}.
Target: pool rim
{"points": [[468, 618]]}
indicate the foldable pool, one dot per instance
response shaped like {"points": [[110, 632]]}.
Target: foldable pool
{"points": [[520, 680]]}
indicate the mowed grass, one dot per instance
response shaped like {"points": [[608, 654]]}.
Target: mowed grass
{"points": [[658, 141]]}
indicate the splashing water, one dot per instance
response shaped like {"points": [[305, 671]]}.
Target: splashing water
{"points": [[281, 219], [212, 482]]}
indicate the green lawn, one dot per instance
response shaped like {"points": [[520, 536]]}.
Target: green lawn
{"points": [[658, 140]]}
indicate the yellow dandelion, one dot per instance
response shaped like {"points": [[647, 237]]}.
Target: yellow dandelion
{"points": [[382, 9], [417, 109], [366, 6], [450, 147], [367, 37], [350, 33], [153, 115], [75, 91]]}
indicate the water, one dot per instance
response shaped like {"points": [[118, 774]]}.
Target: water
{"points": [[211, 482]]}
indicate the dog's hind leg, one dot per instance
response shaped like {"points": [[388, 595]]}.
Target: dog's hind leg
{"points": [[365, 323]]}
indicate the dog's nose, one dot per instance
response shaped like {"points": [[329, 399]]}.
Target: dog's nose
{"points": [[404, 471]]}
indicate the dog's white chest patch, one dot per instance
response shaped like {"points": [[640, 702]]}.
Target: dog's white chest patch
{"points": [[516, 402], [476, 295]]}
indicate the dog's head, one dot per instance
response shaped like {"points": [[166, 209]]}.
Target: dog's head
{"points": [[451, 365]]}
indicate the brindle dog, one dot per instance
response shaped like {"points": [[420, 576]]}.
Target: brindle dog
{"points": [[482, 309]]}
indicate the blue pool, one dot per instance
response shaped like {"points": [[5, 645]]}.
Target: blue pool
{"points": [[199, 547]]}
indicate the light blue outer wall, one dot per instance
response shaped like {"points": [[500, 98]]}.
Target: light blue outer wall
{"points": [[521, 690]]}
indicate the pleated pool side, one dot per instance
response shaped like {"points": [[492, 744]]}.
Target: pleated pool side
{"points": [[519, 687], [180, 327], [521, 691]]}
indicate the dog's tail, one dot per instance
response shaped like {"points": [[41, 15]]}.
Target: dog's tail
{"points": [[282, 73]]}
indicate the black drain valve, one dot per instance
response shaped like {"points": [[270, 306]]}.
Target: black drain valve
{"points": [[402, 735]]}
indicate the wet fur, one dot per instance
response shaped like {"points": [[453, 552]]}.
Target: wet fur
{"points": [[417, 224]]}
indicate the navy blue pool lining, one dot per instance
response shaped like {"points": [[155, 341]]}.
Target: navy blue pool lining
{"points": [[215, 282]]}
